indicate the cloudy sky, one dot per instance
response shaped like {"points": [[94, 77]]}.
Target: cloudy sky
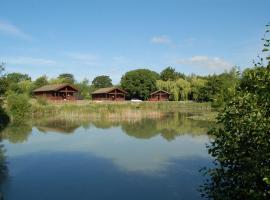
{"points": [[96, 37]]}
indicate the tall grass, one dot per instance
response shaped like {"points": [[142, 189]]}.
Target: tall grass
{"points": [[113, 109]]}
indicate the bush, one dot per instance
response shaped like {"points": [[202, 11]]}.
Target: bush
{"points": [[42, 101], [19, 107]]}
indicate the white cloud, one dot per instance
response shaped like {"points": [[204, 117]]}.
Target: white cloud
{"points": [[86, 58], [28, 61], [161, 40], [214, 64], [10, 29]]}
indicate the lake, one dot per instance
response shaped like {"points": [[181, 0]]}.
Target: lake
{"points": [[148, 158]]}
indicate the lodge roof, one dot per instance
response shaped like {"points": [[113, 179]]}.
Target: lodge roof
{"points": [[107, 90], [159, 91], [53, 87]]}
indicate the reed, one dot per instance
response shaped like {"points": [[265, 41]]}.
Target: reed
{"points": [[82, 109]]}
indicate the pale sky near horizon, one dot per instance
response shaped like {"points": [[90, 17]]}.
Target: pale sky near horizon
{"points": [[99, 37]]}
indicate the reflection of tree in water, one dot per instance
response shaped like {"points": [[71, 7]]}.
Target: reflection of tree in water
{"points": [[4, 118], [105, 123], [3, 164], [16, 133], [168, 127]]}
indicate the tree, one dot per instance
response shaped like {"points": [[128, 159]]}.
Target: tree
{"points": [[84, 88], [196, 85], [13, 82], [139, 83], [41, 81], [16, 77], [4, 118], [67, 78], [241, 146], [179, 89], [18, 107], [3, 80], [169, 74], [102, 82], [26, 87]]}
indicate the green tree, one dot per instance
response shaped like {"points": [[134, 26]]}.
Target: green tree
{"points": [[26, 87], [196, 85], [241, 148], [17, 77], [169, 74], [19, 107], [66, 78], [3, 80], [41, 81], [102, 82], [219, 88], [4, 118], [179, 89], [139, 83], [84, 88]]}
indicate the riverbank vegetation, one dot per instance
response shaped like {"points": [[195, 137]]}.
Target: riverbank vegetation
{"points": [[241, 148]]}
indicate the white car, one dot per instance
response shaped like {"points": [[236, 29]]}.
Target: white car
{"points": [[136, 100]]}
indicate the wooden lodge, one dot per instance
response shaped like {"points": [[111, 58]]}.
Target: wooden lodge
{"points": [[159, 95], [56, 92], [109, 94]]}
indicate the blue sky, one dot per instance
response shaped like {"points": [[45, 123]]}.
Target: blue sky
{"points": [[90, 38]]}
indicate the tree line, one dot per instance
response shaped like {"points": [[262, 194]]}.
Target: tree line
{"points": [[139, 83]]}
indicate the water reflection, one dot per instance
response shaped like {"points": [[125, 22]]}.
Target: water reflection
{"points": [[168, 126], [126, 159], [16, 133]]}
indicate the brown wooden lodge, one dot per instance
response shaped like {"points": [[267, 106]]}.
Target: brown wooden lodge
{"points": [[109, 94], [159, 95], [56, 92]]}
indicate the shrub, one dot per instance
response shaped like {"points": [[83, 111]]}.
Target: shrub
{"points": [[19, 107], [42, 101]]}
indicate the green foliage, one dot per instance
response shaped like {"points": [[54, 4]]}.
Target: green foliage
{"points": [[266, 40], [42, 101], [18, 83], [84, 89], [17, 77], [4, 118], [40, 81], [3, 80], [219, 88], [26, 87], [66, 78], [179, 89], [139, 83], [19, 107], [102, 82], [196, 85], [241, 148], [169, 74]]}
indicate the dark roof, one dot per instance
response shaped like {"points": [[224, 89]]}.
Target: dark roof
{"points": [[54, 87], [159, 91], [107, 90]]}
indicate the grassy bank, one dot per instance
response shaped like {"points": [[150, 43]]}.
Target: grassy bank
{"points": [[111, 109]]}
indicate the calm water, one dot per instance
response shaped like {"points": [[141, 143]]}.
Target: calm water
{"points": [[101, 159]]}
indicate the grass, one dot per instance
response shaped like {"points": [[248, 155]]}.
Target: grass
{"points": [[124, 109]]}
